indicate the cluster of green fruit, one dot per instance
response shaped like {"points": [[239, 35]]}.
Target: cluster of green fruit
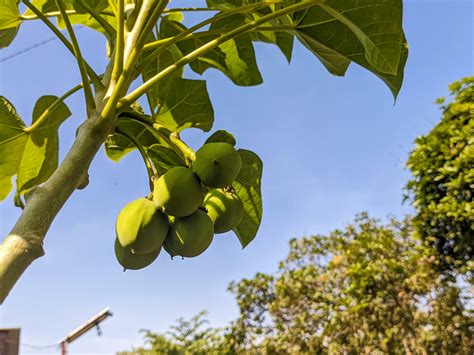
{"points": [[180, 216]]}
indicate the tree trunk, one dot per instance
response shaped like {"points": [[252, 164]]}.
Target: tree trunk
{"points": [[24, 244]]}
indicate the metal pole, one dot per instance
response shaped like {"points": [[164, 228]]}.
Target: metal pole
{"points": [[64, 348]]}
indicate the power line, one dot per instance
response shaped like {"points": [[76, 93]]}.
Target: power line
{"points": [[27, 49], [39, 347]]}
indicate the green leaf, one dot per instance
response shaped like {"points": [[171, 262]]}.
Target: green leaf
{"points": [[30, 154], [165, 59], [284, 40], [221, 136], [235, 58], [164, 158], [12, 142], [378, 28], [97, 5], [9, 14], [367, 32], [46, 6], [184, 104], [247, 186], [7, 36], [117, 145], [40, 155]]}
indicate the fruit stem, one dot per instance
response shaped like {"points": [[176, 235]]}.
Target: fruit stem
{"points": [[188, 153], [149, 166]]}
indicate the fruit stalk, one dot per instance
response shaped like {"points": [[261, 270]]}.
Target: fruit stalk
{"points": [[188, 153]]}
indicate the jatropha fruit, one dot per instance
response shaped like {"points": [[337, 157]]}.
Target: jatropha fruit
{"points": [[178, 192], [224, 208], [187, 206], [217, 164], [141, 227], [190, 236]]}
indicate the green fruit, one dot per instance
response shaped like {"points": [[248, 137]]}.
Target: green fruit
{"points": [[141, 227], [131, 261], [171, 252], [178, 192], [190, 236], [217, 164], [224, 208]]}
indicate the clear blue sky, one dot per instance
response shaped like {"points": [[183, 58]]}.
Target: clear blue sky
{"points": [[331, 147]]}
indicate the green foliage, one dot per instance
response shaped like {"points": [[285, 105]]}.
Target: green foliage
{"points": [[370, 288], [222, 136], [185, 337], [442, 165], [184, 104], [31, 153], [247, 186], [150, 46], [357, 290]]}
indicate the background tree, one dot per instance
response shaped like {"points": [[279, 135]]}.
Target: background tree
{"points": [[186, 336], [368, 288], [149, 45], [442, 165]]}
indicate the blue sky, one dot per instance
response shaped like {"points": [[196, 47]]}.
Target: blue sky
{"points": [[331, 147]]}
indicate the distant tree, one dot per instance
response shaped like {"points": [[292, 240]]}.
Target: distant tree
{"points": [[369, 288], [442, 165], [185, 337]]}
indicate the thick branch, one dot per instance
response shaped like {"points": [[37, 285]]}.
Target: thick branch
{"points": [[25, 242]]}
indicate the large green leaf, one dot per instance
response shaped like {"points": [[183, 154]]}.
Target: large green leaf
{"points": [[165, 59], [367, 32], [32, 155], [247, 186], [12, 142], [184, 104], [283, 39], [9, 14], [234, 58]]}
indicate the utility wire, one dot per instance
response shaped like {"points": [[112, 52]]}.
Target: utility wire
{"points": [[36, 45], [39, 347]]}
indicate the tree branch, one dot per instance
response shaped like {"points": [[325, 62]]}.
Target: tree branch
{"points": [[80, 61], [25, 242]]}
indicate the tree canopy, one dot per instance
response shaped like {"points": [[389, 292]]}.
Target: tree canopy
{"points": [[367, 288], [442, 183]]}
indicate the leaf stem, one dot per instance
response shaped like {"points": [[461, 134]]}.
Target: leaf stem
{"points": [[146, 159], [187, 152], [80, 61], [52, 107], [119, 42], [163, 44], [159, 131], [96, 15], [57, 13], [93, 75], [131, 51], [134, 95], [159, 42]]}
